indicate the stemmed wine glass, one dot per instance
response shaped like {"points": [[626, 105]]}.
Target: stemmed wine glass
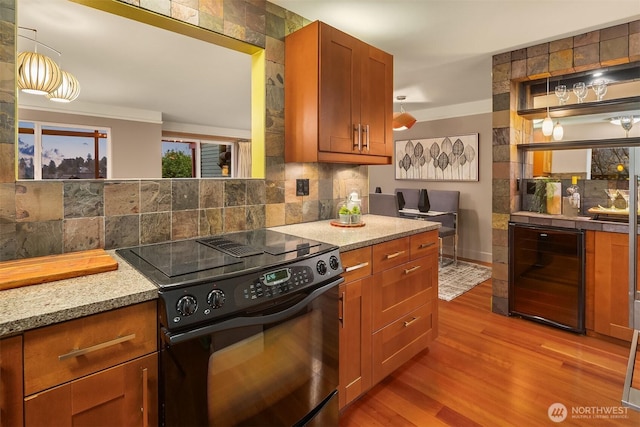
{"points": [[600, 88], [627, 123], [562, 94], [613, 195], [580, 90]]}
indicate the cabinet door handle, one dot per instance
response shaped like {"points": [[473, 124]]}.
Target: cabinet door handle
{"points": [[366, 130], [426, 245], [341, 313], [411, 270], [356, 267], [83, 351], [409, 322], [389, 256], [145, 398], [358, 129]]}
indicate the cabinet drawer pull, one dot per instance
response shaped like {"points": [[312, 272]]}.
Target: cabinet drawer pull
{"points": [[341, 314], [409, 322], [411, 270], [426, 245], [145, 398], [356, 267], [395, 254], [83, 351]]}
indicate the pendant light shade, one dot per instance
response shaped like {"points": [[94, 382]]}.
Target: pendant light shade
{"points": [[37, 74], [547, 126], [558, 132], [402, 120], [68, 90]]}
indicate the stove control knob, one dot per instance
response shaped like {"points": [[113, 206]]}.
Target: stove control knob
{"points": [[333, 262], [321, 267], [187, 305], [216, 298]]}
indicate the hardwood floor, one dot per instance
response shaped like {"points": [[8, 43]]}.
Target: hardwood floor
{"points": [[490, 370]]}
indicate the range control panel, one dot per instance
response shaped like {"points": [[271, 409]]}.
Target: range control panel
{"points": [[213, 299]]}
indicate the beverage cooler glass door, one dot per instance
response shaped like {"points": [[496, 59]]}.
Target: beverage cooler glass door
{"points": [[271, 373]]}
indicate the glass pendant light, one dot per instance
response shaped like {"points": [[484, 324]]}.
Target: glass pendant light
{"points": [[558, 132], [402, 120], [547, 123]]}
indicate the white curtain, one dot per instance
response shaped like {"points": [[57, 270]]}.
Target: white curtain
{"points": [[244, 159]]}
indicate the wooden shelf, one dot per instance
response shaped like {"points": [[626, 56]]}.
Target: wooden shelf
{"points": [[586, 108]]}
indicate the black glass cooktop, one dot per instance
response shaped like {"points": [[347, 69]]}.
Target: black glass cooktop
{"points": [[177, 262]]}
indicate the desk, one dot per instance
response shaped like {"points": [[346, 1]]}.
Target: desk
{"points": [[415, 213]]}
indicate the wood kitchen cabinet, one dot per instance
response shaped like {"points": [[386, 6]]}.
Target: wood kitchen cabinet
{"points": [[389, 309], [11, 382], [338, 98], [608, 292], [96, 370], [404, 300], [355, 325]]}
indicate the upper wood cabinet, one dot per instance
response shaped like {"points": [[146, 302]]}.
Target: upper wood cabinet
{"points": [[338, 98]]}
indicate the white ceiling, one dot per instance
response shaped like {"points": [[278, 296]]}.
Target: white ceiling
{"points": [[443, 48], [442, 52]]}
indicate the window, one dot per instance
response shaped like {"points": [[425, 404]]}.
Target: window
{"points": [[197, 159], [49, 151]]}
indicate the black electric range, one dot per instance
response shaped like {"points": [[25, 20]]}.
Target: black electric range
{"points": [[211, 278]]}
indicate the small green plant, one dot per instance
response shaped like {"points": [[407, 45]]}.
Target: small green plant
{"points": [[355, 210], [344, 211]]}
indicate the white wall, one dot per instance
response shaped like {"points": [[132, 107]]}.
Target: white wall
{"points": [[475, 234], [136, 150]]}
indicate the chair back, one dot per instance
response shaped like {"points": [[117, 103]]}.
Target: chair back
{"points": [[383, 204], [445, 201], [411, 196]]}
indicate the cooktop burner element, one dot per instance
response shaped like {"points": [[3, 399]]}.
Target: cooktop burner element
{"points": [[183, 257], [230, 247]]}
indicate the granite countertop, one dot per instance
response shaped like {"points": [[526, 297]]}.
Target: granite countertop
{"points": [[33, 306], [377, 229], [44, 304]]}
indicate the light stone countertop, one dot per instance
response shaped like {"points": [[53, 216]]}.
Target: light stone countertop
{"points": [[30, 307], [377, 229], [33, 306]]}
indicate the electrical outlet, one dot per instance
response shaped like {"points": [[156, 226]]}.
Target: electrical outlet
{"points": [[302, 187]]}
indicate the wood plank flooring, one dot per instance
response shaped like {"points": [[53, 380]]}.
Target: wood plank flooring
{"points": [[490, 370]]}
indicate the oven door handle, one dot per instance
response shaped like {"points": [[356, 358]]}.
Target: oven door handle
{"points": [[238, 322]]}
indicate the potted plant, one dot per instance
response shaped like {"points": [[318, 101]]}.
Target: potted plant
{"points": [[355, 214], [344, 214]]}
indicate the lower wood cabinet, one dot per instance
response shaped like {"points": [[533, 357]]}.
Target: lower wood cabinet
{"points": [[98, 370], [388, 309], [11, 382], [124, 395], [608, 289], [355, 326]]}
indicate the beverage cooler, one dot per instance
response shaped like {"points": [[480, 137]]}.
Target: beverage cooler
{"points": [[546, 275]]}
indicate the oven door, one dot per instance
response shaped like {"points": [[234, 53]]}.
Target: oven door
{"points": [[277, 367]]}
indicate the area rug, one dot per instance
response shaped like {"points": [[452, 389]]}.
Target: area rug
{"points": [[454, 280]]}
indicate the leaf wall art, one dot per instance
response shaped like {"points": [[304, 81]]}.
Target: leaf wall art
{"points": [[449, 158]]}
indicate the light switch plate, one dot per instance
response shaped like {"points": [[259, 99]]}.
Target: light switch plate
{"points": [[302, 187]]}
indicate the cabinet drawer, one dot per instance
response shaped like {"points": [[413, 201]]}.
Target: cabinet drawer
{"points": [[423, 244], [66, 351], [389, 254], [401, 340], [356, 264], [402, 289]]}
